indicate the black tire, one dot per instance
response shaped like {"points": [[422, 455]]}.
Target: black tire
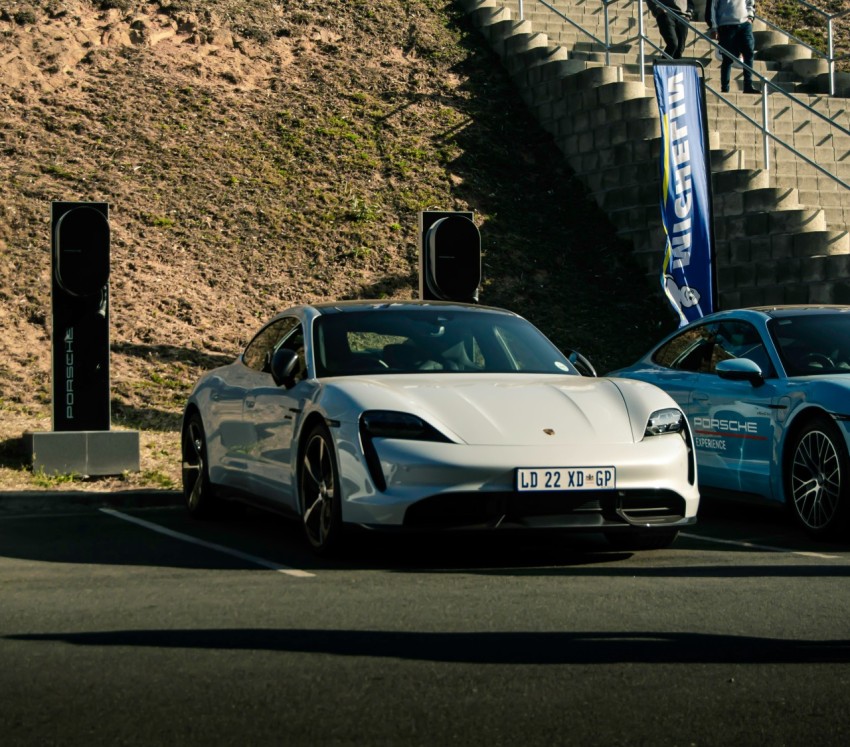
{"points": [[817, 475], [319, 494], [638, 540], [198, 494]]}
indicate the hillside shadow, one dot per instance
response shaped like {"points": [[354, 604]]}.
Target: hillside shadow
{"points": [[145, 418], [13, 455], [165, 353], [578, 647], [550, 252], [387, 286]]}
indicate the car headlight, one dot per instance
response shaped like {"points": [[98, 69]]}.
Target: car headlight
{"points": [[668, 420], [391, 424]]}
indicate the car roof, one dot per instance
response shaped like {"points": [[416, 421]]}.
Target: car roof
{"points": [[776, 312], [801, 310], [342, 307]]}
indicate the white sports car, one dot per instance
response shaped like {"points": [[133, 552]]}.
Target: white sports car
{"points": [[424, 415]]}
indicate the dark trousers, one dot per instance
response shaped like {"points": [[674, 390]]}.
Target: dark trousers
{"points": [[738, 40], [674, 33]]}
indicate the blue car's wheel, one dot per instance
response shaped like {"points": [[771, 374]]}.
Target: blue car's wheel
{"points": [[318, 483], [817, 477]]}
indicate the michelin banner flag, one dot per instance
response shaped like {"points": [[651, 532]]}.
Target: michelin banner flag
{"points": [[688, 276]]}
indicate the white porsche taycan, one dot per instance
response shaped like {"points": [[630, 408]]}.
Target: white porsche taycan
{"points": [[418, 415]]}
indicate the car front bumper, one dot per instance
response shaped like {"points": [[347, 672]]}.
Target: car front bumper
{"points": [[439, 485]]}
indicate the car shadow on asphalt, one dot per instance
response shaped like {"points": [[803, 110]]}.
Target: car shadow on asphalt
{"points": [[547, 647], [172, 539]]}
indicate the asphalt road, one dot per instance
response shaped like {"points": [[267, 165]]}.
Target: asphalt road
{"points": [[130, 624]]}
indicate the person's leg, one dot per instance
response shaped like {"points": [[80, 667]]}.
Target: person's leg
{"points": [[726, 39], [681, 39], [668, 33], [746, 46]]}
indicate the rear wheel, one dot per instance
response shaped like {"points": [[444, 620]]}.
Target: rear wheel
{"points": [[198, 493], [318, 482], [637, 540], [816, 479]]}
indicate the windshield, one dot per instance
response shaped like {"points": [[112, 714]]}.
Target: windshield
{"points": [[387, 340], [814, 344]]}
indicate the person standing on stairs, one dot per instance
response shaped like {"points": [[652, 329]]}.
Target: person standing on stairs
{"points": [[673, 31], [730, 22]]}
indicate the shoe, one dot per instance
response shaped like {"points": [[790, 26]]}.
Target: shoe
{"points": [[724, 89], [751, 89]]}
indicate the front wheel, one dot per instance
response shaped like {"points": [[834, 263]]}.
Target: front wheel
{"points": [[318, 482], [816, 479], [198, 494]]}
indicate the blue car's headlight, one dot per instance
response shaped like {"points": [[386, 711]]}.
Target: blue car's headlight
{"points": [[668, 420]]}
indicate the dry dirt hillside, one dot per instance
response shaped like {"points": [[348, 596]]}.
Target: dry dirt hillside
{"points": [[256, 154]]}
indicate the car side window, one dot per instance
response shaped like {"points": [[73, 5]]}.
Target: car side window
{"points": [[688, 351], [258, 352], [294, 341], [700, 349], [737, 339]]}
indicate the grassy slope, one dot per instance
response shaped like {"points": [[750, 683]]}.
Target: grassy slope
{"points": [[256, 154], [810, 26]]}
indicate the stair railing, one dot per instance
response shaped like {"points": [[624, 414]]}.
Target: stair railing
{"points": [[829, 19], [768, 87], [606, 42]]}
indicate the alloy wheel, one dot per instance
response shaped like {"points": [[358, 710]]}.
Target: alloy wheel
{"points": [[816, 480]]}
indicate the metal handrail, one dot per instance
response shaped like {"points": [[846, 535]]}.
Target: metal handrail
{"points": [[830, 19], [604, 42], [767, 86]]}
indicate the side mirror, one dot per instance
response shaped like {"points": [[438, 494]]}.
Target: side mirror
{"points": [[740, 369], [284, 364], [582, 364]]}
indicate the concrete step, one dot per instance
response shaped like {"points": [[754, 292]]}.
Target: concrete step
{"points": [[755, 200], [519, 43], [519, 63], [592, 46], [766, 249], [769, 38], [739, 179], [785, 53], [820, 84], [497, 32], [783, 272], [776, 236], [795, 220], [487, 15]]}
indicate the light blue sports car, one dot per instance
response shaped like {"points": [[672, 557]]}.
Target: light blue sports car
{"points": [[767, 394]]}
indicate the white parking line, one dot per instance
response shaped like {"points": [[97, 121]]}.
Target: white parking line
{"points": [[209, 545], [754, 546]]}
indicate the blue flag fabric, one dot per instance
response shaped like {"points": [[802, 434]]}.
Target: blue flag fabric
{"points": [[687, 275]]}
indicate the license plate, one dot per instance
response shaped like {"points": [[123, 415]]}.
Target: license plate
{"points": [[566, 478]]}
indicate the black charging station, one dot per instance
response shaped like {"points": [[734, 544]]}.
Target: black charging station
{"points": [[81, 440], [449, 256], [80, 293]]}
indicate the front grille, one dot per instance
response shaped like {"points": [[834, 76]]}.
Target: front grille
{"points": [[579, 509]]}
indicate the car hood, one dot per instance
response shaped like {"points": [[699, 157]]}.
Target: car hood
{"points": [[518, 409]]}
